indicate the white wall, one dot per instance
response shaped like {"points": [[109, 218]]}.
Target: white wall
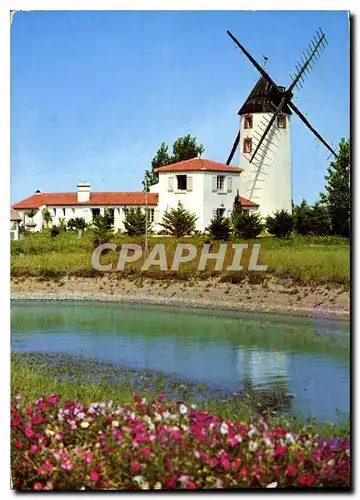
{"points": [[267, 180]]}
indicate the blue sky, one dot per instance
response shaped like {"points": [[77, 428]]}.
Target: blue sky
{"points": [[93, 94]]}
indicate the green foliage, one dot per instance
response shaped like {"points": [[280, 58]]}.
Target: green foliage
{"points": [[337, 195], [77, 224], [102, 229], [47, 219], [219, 228], [247, 224], [31, 213], [184, 148], [135, 222], [311, 220], [179, 221], [280, 224]]}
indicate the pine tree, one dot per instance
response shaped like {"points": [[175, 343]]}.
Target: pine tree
{"points": [[247, 224], [337, 196], [219, 228], [135, 222], [280, 224], [179, 221]]}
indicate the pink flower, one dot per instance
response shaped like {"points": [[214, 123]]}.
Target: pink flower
{"points": [[225, 463], [19, 444], [190, 485], [47, 465], [29, 411], [94, 476], [145, 452], [33, 448], [306, 480], [176, 435], [170, 483], [37, 486], [161, 398], [280, 450], [89, 458], [29, 432], [59, 436], [139, 438], [135, 465]]}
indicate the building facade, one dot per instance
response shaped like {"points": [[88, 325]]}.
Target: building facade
{"points": [[204, 187]]}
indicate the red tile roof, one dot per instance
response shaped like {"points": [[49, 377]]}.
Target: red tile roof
{"points": [[247, 203], [103, 199], [14, 216], [199, 165]]}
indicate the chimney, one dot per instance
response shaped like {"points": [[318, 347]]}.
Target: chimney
{"points": [[83, 192]]}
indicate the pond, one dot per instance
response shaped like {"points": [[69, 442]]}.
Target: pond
{"points": [[309, 357]]}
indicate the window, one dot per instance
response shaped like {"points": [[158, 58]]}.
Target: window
{"points": [[73, 210], [151, 214], [181, 182], [220, 182], [54, 212], [64, 211], [111, 212], [248, 122], [220, 212], [247, 146], [95, 212], [281, 120]]}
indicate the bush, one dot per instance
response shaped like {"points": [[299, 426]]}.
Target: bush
{"points": [[219, 228], [102, 229], [77, 224], [247, 224], [310, 220], [280, 224], [179, 221], [158, 445]]}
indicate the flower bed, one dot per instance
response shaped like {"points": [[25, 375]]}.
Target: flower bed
{"points": [[160, 445]]}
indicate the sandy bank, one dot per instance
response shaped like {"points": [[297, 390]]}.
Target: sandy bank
{"points": [[275, 295]]}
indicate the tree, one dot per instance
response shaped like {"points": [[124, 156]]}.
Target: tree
{"points": [[219, 228], [319, 220], [337, 195], [280, 224], [247, 224], [77, 224], [178, 221], [47, 219], [135, 222], [184, 148], [103, 229], [302, 218]]}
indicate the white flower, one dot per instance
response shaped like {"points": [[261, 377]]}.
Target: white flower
{"points": [[289, 438], [211, 426], [196, 454], [82, 488], [173, 417], [165, 415], [268, 442], [49, 432], [253, 446], [307, 444], [347, 452], [138, 479], [84, 424], [272, 485], [224, 428], [157, 486], [238, 438], [157, 417], [331, 463], [183, 409], [143, 401], [252, 432], [115, 423], [184, 427], [145, 486], [193, 407], [219, 483]]}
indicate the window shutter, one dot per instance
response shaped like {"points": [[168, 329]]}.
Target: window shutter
{"points": [[171, 184], [214, 183], [229, 184], [189, 183]]}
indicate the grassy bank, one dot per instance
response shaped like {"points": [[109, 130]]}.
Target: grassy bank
{"points": [[302, 259], [76, 379]]}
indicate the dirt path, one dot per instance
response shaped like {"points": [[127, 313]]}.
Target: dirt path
{"points": [[275, 296]]}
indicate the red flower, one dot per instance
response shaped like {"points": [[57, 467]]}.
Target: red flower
{"points": [[19, 444], [306, 480], [29, 411], [137, 398], [37, 486], [170, 483], [94, 476], [28, 432], [280, 450], [145, 452], [291, 470], [161, 398], [244, 472], [225, 463], [190, 485], [135, 465]]}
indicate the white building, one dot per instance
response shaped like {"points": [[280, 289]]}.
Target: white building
{"points": [[205, 187], [15, 220]]}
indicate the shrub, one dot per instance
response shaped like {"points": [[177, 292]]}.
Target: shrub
{"points": [[310, 220], [77, 224], [158, 445], [280, 224], [135, 222], [102, 229], [219, 228], [179, 221], [247, 224]]}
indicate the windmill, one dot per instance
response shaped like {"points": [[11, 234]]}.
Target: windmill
{"points": [[284, 96]]}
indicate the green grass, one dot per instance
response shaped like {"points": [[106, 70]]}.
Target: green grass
{"points": [[302, 259], [33, 378]]}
